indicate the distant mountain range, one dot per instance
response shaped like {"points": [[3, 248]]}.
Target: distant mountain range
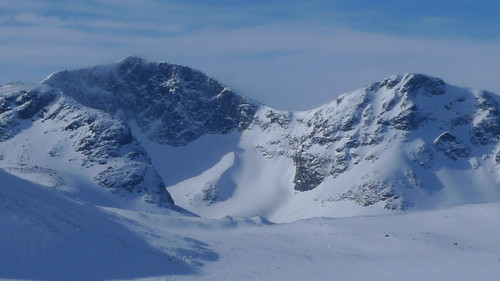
{"points": [[172, 136]]}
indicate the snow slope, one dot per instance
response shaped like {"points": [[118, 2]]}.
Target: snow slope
{"points": [[453, 244], [48, 235]]}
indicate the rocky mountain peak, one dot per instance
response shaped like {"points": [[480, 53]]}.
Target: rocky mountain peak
{"points": [[132, 61], [416, 116], [412, 84], [173, 104]]}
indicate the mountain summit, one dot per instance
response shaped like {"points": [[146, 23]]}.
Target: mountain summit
{"points": [[147, 131], [173, 103]]}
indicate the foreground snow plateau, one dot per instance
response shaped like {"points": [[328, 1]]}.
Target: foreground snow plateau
{"points": [[47, 234]]}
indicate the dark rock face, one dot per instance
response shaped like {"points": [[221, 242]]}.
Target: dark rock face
{"points": [[407, 120], [135, 178], [373, 192], [309, 171], [7, 127], [279, 118], [487, 130], [175, 104], [388, 83], [415, 84], [22, 103], [104, 139], [209, 194], [31, 102], [449, 145]]}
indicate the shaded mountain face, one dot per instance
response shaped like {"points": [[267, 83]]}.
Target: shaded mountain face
{"points": [[48, 137], [406, 141], [85, 117], [173, 104]]}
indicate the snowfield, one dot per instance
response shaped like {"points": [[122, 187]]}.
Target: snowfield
{"points": [[47, 234]]}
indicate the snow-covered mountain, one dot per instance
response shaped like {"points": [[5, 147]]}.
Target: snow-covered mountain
{"points": [[409, 141], [135, 127]]}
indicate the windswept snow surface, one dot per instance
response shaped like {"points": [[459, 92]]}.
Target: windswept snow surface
{"points": [[49, 234], [46, 234]]}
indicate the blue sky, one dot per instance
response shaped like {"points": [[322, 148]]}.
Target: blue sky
{"points": [[287, 54]]}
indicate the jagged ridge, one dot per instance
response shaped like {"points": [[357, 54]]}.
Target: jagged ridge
{"points": [[387, 143], [174, 104]]}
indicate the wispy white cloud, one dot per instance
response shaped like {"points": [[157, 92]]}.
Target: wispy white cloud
{"points": [[34, 19], [38, 20], [438, 20], [114, 24], [4, 19], [289, 65], [22, 5]]}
